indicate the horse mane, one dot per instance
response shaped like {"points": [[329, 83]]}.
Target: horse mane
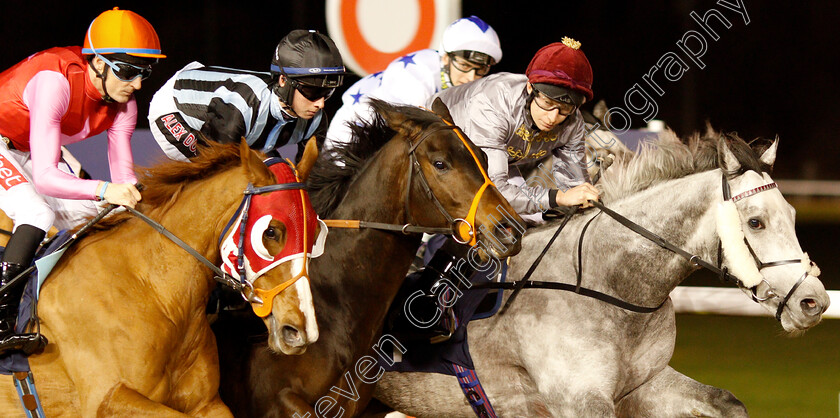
{"points": [[163, 183], [668, 157], [336, 169]]}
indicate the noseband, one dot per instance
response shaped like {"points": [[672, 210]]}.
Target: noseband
{"points": [[771, 293], [462, 236]]}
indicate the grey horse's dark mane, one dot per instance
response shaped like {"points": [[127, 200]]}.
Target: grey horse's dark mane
{"points": [[328, 181], [668, 157]]}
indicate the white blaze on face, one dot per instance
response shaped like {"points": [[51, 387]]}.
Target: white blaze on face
{"points": [[308, 308], [306, 305]]}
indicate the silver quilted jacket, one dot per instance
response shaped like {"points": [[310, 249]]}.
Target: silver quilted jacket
{"points": [[491, 111]]}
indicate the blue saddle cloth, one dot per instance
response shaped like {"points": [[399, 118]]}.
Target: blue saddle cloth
{"points": [[15, 361], [423, 356]]}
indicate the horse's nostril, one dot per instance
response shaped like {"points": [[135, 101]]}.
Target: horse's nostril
{"points": [[504, 233], [811, 307], [292, 336]]}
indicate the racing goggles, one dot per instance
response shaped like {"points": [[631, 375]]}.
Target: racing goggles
{"points": [[127, 72], [465, 66], [312, 93], [548, 104]]}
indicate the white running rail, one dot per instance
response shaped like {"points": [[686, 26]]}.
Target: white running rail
{"points": [[731, 301]]}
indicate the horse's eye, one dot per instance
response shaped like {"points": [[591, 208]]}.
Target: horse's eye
{"points": [[440, 165], [270, 233], [755, 224]]}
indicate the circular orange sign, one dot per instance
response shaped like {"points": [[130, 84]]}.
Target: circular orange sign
{"points": [[345, 29]]}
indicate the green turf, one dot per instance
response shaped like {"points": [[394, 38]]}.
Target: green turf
{"points": [[772, 374]]}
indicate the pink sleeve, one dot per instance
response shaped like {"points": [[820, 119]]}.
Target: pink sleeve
{"points": [[120, 159], [47, 95]]}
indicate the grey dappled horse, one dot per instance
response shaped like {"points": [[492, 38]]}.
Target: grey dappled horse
{"points": [[556, 353]]}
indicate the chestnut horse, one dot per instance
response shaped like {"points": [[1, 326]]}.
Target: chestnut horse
{"points": [[124, 309], [409, 167]]}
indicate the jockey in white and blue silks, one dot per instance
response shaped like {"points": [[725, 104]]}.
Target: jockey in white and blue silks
{"points": [[285, 106], [468, 49]]}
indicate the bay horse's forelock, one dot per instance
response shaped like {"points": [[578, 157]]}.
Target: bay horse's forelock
{"points": [[125, 308]]}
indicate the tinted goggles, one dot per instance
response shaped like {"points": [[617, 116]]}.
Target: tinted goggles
{"points": [[312, 93], [128, 72]]}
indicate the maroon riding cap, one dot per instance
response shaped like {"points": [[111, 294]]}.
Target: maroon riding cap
{"points": [[562, 64]]}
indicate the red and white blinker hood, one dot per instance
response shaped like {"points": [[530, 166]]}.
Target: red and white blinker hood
{"points": [[293, 209]]}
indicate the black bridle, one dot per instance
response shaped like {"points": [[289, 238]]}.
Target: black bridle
{"points": [[720, 270], [241, 284], [237, 285], [410, 227], [760, 264]]}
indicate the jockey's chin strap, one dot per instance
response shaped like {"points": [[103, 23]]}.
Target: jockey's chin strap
{"points": [[721, 271], [462, 229]]}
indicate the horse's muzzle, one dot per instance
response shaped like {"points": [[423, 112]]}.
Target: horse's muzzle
{"points": [[503, 239]]}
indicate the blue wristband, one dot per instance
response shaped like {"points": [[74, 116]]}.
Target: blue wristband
{"points": [[102, 191]]}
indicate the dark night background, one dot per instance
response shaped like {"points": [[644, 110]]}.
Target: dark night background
{"points": [[774, 76]]}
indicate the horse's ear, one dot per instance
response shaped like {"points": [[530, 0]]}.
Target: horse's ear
{"points": [[728, 161], [601, 112], [769, 155], [440, 108], [307, 161], [256, 170], [392, 116]]}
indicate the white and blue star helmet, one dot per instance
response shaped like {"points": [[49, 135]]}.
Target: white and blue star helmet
{"points": [[473, 39]]}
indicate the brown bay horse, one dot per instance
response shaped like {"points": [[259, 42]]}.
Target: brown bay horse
{"points": [[380, 179], [124, 309]]}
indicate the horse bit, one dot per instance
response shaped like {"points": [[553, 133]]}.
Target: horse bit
{"points": [[771, 292]]}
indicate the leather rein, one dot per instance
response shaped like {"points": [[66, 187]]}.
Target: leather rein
{"points": [[237, 285], [241, 284], [719, 270]]}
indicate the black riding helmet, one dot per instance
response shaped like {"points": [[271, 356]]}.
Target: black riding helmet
{"points": [[311, 63]]}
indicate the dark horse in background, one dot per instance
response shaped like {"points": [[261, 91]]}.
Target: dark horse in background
{"points": [[356, 279]]}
